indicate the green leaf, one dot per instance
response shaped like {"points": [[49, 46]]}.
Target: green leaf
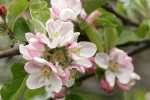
{"points": [[20, 28], [39, 11], [94, 37], [139, 94], [91, 5], [38, 25], [29, 94], [107, 20], [16, 7], [144, 28], [127, 36], [12, 90], [110, 36], [99, 72], [73, 97]]}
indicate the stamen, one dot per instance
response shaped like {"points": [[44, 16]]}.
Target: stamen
{"points": [[46, 71], [76, 50]]}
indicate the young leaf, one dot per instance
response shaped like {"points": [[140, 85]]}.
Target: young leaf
{"points": [[91, 5], [95, 37], [110, 36], [20, 28], [38, 25], [12, 90], [127, 36], [16, 7], [39, 11]]}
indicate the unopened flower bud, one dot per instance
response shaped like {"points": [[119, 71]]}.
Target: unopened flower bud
{"points": [[61, 94], [105, 86], [2, 10]]}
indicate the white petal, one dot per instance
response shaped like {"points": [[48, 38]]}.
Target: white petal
{"points": [[110, 77], [23, 50], [102, 60], [123, 75], [55, 81], [66, 27], [55, 42], [84, 62], [88, 49], [35, 81], [32, 67], [40, 60], [70, 82], [67, 14]]}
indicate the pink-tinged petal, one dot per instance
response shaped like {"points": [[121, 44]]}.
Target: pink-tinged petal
{"points": [[95, 14], [56, 83], [123, 75], [55, 12], [32, 67], [65, 77], [102, 60], [83, 14], [42, 38], [66, 27], [51, 65], [35, 81], [67, 15], [23, 50], [84, 62], [87, 50], [61, 94], [53, 26], [105, 86], [29, 36], [37, 44], [124, 87], [110, 77], [70, 82], [33, 51]]}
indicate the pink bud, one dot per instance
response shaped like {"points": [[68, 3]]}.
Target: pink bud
{"points": [[91, 70], [61, 94], [2, 10], [105, 86]]}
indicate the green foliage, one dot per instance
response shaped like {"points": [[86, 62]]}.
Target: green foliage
{"points": [[29, 94], [91, 5], [38, 25], [144, 28], [20, 28], [12, 90], [99, 72], [110, 37], [73, 97], [107, 20], [16, 7], [127, 36], [95, 37], [39, 11], [139, 94]]}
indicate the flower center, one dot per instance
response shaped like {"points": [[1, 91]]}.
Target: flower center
{"points": [[46, 71], [75, 50], [56, 35], [59, 56], [114, 66]]}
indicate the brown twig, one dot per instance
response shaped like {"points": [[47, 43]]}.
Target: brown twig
{"points": [[9, 52]]}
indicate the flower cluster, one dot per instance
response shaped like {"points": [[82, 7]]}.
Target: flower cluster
{"points": [[56, 57]]}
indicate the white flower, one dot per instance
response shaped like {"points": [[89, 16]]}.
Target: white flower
{"points": [[117, 64], [66, 9]]}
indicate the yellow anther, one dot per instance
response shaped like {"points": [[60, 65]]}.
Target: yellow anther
{"points": [[56, 35], [46, 71], [114, 66], [75, 50]]}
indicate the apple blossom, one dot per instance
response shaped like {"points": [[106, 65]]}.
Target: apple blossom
{"points": [[60, 33], [61, 94], [117, 64], [66, 9], [42, 73], [35, 48]]}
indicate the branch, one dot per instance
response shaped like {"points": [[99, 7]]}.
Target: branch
{"points": [[9, 52], [124, 20]]}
